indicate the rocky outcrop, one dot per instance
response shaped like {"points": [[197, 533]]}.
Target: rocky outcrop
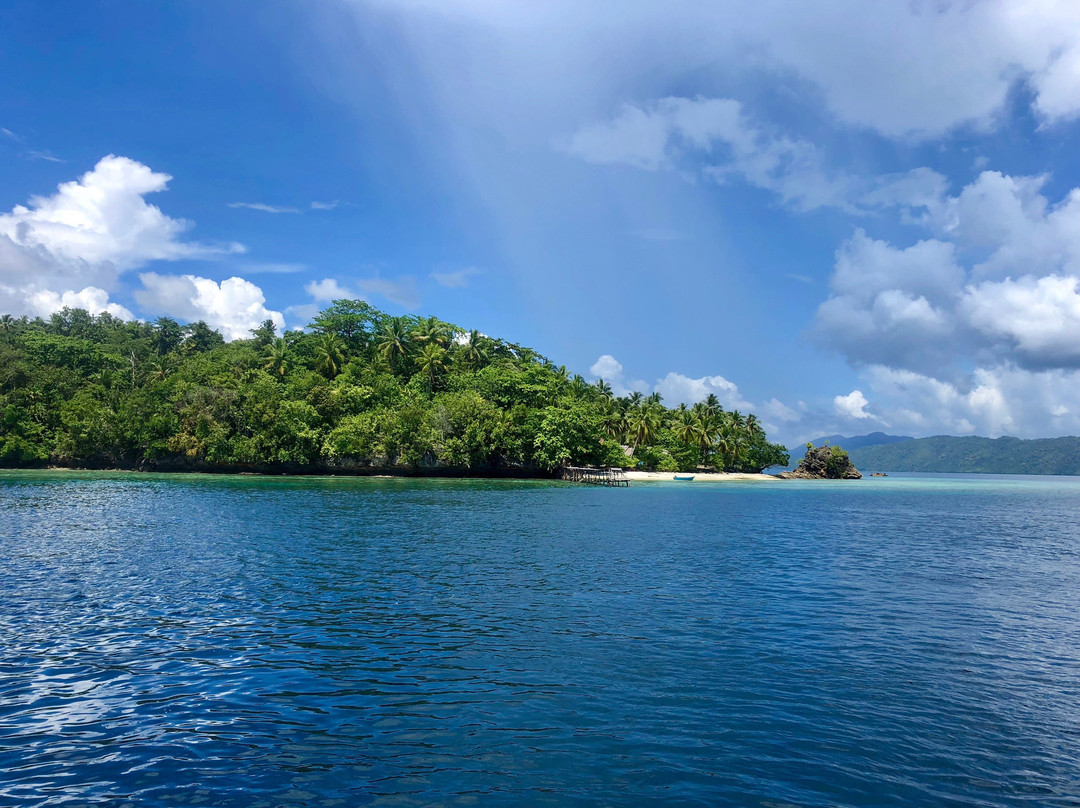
{"points": [[823, 463]]}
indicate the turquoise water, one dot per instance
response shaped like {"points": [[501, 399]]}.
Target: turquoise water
{"points": [[240, 641]]}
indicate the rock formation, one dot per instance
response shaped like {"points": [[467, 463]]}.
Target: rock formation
{"points": [[823, 463]]}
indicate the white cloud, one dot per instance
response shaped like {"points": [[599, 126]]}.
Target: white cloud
{"points": [[103, 218], [263, 207], [327, 290], [607, 367], [1014, 300], [1039, 318], [455, 280], [325, 205], [86, 234], [42, 154], [235, 306], [661, 134], [679, 389], [853, 405], [92, 299], [907, 69]]}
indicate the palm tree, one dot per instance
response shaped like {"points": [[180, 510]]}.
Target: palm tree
{"points": [[753, 426], [432, 361], [604, 388], [276, 356], [722, 447], [634, 399], [643, 424], [579, 388], [474, 349], [329, 356], [393, 341], [160, 368], [684, 427], [712, 404], [432, 330], [705, 427]]}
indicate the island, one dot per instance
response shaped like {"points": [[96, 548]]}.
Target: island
{"points": [[823, 463], [357, 392]]}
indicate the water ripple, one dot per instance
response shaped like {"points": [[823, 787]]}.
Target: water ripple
{"points": [[268, 642]]}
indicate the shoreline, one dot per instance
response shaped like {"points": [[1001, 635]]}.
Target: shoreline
{"points": [[704, 477], [390, 474]]}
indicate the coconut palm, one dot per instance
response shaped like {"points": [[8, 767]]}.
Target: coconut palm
{"points": [[393, 341], [642, 425], [753, 426], [603, 388], [432, 330], [159, 368], [277, 358], [329, 356], [684, 427], [705, 427], [579, 388], [712, 404], [431, 361], [474, 349]]}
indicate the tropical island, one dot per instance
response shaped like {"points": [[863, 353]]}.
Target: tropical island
{"points": [[358, 392]]}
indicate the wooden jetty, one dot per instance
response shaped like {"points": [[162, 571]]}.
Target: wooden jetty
{"points": [[596, 476]]}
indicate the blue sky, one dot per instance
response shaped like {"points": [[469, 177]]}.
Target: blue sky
{"points": [[853, 217]]}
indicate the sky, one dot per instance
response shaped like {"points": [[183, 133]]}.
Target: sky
{"points": [[845, 216]]}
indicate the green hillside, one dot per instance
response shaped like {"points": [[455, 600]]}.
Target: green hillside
{"points": [[944, 453], [359, 392]]}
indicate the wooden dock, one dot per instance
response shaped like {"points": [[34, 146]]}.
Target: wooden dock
{"points": [[596, 476]]}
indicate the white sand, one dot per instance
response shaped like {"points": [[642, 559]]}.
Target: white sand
{"points": [[708, 477]]}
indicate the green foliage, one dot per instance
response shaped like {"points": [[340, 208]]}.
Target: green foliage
{"points": [[361, 388], [837, 462]]}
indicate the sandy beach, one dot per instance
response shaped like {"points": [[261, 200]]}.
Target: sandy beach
{"points": [[709, 477]]}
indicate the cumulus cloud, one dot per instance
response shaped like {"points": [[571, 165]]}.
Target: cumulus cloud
{"points": [[92, 299], [679, 389], [327, 290], [853, 405], [70, 248], [608, 368], [997, 284], [234, 306], [103, 218]]}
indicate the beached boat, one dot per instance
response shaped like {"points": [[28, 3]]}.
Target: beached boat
{"points": [[683, 479]]}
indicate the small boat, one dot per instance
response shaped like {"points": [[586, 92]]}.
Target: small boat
{"points": [[683, 479]]}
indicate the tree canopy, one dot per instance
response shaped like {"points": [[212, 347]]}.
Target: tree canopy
{"points": [[359, 390]]}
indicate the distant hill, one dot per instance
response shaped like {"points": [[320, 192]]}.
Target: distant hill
{"points": [[944, 453], [859, 441]]}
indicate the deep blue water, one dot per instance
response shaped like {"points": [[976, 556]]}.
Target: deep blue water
{"points": [[228, 641]]}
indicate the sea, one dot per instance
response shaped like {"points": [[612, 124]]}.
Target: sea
{"points": [[207, 640]]}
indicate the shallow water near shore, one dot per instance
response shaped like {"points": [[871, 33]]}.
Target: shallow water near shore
{"points": [[265, 641]]}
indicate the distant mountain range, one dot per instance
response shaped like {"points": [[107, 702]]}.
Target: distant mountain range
{"points": [[944, 453], [860, 441]]}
